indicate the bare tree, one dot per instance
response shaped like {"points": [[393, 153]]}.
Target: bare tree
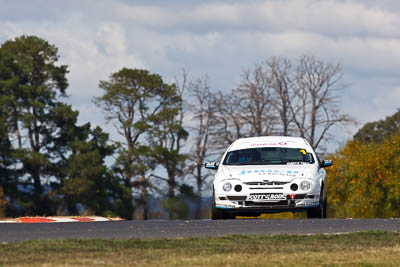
{"points": [[260, 105], [282, 97], [279, 98], [246, 110], [254, 96], [317, 87], [202, 108], [228, 120]]}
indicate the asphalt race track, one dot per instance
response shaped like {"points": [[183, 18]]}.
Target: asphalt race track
{"points": [[196, 228]]}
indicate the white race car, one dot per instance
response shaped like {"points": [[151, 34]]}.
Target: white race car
{"points": [[267, 175]]}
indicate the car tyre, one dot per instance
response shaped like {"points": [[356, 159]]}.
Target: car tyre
{"points": [[320, 211], [218, 214]]}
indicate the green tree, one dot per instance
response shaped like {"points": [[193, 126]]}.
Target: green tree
{"points": [[41, 144], [8, 83], [140, 106], [178, 207], [377, 131], [364, 182], [30, 94], [88, 181], [8, 176], [3, 203], [167, 139]]}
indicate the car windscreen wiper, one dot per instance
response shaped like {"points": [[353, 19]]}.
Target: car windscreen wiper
{"points": [[296, 160], [273, 161], [246, 163], [238, 164]]}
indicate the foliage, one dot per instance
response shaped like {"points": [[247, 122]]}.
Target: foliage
{"points": [[144, 111], [168, 137], [377, 131], [365, 180], [8, 175], [88, 181], [176, 208], [51, 165], [179, 207], [3, 203], [30, 87], [48, 164]]}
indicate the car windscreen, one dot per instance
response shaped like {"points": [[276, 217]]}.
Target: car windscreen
{"points": [[268, 156]]}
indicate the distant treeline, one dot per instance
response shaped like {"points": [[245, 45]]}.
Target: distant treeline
{"points": [[50, 165], [365, 179]]}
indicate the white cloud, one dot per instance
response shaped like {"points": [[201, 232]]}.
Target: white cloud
{"points": [[384, 99], [112, 36], [220, 38], [145, 15], [329, 17], [217, 13]]}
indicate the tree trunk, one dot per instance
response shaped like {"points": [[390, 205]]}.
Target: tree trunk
{"points": [[144, 201], [41, 208]]}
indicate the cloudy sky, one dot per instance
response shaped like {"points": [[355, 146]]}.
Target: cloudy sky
{"points": [[217, 38]]}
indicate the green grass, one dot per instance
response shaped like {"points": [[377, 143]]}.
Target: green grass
{"points": [[360, 249]]}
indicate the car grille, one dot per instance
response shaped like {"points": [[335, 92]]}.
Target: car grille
{"points": [[236, 197], [265, 185]]}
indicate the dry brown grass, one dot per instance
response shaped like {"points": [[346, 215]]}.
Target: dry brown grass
{"points": [[357, 249]]}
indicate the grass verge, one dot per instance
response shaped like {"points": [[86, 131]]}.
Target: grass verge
{"points": [[356, 249]]}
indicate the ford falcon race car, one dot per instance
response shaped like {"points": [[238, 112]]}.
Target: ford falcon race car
{"points": [[267, 175]]}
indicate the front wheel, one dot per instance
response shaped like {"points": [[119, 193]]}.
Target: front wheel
{"points": [[320, 211], [217, 214]]}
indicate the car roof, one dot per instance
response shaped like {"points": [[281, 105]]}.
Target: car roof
{"points": [[269, 141]]}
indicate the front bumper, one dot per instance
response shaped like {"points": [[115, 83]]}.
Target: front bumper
{"points": [[242, 204]]}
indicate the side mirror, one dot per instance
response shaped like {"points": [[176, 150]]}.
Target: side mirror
{"points": [[211, 165], [326, 163]]}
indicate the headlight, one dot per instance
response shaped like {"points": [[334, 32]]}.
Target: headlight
{"points": [[227, 186], [305, 185]]}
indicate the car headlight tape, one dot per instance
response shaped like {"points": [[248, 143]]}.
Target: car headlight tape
{"points": [[227, 187], [305, 185]]}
